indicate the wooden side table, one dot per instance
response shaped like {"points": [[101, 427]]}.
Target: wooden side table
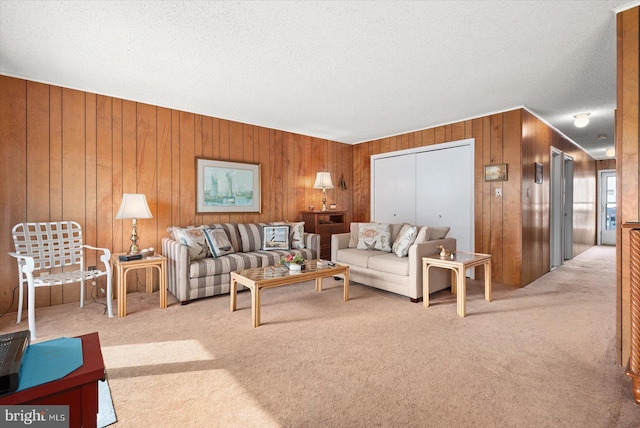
{"points": [[458, 266], [325, 224], [121, 268]]}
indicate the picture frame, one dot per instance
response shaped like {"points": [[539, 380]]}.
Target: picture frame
{"points": [[538, 173], [227, 187], [498, 172]]}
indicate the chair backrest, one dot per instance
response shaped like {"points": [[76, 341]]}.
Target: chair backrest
{"points": [[52, 244]]}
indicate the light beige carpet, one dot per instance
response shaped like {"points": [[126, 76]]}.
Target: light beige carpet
{"points": [[539, 356]]}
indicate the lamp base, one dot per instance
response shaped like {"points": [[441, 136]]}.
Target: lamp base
{"points": [[134, 249], [324, 200]]}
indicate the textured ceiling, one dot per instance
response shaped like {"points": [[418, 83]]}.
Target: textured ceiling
{"points": [[344, 71]]}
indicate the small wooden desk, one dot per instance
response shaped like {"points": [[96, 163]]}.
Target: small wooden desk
{"points": [[121, 268], [458, 266], [78, 389]]}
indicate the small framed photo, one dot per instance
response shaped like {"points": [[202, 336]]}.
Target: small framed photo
{"points": [[538, 173], [496, 172]]}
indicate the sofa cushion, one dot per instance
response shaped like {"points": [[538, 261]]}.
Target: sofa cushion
{"points": [[405, 238], [423, 235], [223, 264], [355, 257], [250, 236], [390, 263], [431, 233], [395, 230], [438, 232], [353, 237], [374, 236], [275, 237], [218, 241], [194, 239]]}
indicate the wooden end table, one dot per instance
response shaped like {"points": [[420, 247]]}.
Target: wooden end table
{"points": [[149, 263], [274, 276], [458, 265]]}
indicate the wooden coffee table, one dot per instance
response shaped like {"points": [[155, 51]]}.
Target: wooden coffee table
{"points": [[274, 276]]}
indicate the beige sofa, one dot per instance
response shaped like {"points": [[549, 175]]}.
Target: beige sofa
{"points": [[387, 271]]}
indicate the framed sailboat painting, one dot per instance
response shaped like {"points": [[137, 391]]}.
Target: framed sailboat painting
{"points": [[227, 187]]}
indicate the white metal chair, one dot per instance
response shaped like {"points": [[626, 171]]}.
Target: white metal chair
{"points": [[47, 245]]}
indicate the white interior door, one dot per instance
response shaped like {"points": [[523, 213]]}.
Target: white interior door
{"points": [[394, 189], [607, 214]]}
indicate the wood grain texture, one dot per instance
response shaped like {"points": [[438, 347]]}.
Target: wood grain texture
{"points": [[627, 164], [70, 155]]}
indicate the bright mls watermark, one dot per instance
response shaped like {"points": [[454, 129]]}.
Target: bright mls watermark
{"points": [[34, 416]]}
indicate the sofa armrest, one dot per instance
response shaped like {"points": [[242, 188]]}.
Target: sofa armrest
{"points": [[177, 268], [423, 249], [339, 241]]}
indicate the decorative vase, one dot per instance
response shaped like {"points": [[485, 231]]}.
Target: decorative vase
{"points": [[293, 266]]}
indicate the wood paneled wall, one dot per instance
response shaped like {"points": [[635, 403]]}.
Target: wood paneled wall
{"points": [[627, 165], [70, 155], [513, 228]]}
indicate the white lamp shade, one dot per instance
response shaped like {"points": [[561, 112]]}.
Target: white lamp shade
{"points": [[611, 152], [134, 205], [323, 181]]}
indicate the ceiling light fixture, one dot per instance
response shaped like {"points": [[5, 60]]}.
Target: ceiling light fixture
{"points": [[582, 120], [602, 137], [611, 152]]}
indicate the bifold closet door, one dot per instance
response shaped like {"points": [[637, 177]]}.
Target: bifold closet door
{"points": [[444, 192], [394, 189]]}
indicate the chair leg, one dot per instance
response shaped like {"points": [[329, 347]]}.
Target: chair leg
{"points": [[20, 299], [82, 293], [31, 305], [109, 293]]}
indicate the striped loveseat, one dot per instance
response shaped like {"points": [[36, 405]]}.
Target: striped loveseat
{"points": [[189, 279]]}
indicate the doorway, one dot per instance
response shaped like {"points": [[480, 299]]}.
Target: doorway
{"points": [[561, 210], [607, 211]]}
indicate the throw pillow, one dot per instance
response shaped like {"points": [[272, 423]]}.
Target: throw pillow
{"points": [[218, 241], [374, 236], [353, 237], [296, 235], [423, 235], [195, 240], [438, 232], [405, 238], [275, 237]]}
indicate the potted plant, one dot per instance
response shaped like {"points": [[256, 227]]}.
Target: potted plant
{"points": [[293, 262]]}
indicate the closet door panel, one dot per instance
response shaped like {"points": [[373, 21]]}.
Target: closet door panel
{"points": [[444, 183], [394, 190]]}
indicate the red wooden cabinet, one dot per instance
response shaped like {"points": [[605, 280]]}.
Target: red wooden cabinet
{"points": [[78, 390]]}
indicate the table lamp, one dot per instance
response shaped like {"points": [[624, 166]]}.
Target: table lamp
{"points": [[134, 206], [323, 181]]}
